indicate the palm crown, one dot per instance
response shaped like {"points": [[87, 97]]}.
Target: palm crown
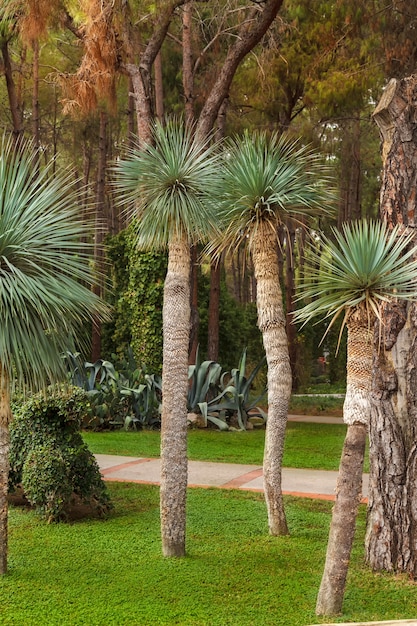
{"points": [[266, 179], [170, 186], [44, 277], [365, 265]]}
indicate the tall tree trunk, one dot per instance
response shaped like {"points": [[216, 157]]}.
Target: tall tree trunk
{"points": [[187, 62], [249, 35], [342, 528], [176, 329], [141, 74], [195, 317], [271, 322], [356, 412], [35, 97], [213, 312], [5, 419], [350, 173], [289, 299], [14, 103], [100, 231], [391, 538], [159, 88]]}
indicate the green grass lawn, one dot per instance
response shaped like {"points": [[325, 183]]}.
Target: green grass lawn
{"points": [[315, 446], [111, 572]]}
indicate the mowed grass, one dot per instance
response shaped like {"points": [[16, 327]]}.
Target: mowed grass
{"points": [[111, 572], [307, 445]]}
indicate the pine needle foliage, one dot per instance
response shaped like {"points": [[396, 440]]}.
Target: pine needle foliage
{"points": [[171, 186], [364, 264], [45, 277]]}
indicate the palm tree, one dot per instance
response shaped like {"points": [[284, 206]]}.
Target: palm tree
{"points": [[265, 181], [355, 275], [44, 285], [172, 184]]}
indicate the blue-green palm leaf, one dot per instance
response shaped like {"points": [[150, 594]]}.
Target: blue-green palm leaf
{"points": [[266, 179], [45, 278], [170, 186], [365, 264]]}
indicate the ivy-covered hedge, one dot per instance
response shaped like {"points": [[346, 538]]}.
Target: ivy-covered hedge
{"points": [[137, 285], [48, 457]]}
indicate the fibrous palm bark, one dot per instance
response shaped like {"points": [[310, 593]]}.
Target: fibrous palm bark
{"points": [[356, 413], [271, 322], [176, 330]]}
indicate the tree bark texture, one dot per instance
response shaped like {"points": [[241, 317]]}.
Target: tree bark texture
{"points": [[15, 105], [342, 528], [141, 73], [176, 330], [271, 322], [356, 412], [5, 419], [391, 537], [249, 35], [213, 312]]}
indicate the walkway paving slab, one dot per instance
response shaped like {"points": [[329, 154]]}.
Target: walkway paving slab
{"points": [[297, 482]]}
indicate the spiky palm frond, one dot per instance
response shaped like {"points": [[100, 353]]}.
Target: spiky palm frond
{"points": [[365, 265], [44, 277], [170, 186], [266, 179]]}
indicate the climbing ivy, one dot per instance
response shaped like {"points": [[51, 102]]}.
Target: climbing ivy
{"points": [[137, 284]]}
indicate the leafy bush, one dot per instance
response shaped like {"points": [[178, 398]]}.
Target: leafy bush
{"points": [[48, 457]]}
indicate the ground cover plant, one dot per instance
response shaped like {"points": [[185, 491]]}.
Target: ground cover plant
{"points": [[307, 445], [112, 573]]}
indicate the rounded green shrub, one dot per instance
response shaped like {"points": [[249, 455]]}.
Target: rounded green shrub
{"points": [[48, 457]]}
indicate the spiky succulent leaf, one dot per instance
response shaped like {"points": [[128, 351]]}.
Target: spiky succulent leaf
{"points": [[45, 273]]}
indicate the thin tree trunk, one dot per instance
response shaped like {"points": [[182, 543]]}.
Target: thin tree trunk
{"points": [[141, 74], [271, 322], [14, 103], [195, 317], [356, 411], [187, 62], [213, 312], [176, 330], [159, 88], [35, 97], [289, 299], [342, 528], [5, 419], [350, 173], [391, 538], [100, 231], [249, 35]]}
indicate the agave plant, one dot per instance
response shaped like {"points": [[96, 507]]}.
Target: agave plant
{"points": [[234, 398], [355, 275]]}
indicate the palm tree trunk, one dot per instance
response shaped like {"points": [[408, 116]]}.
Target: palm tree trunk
{"points": [[176, 331], [271, 322], [5, 419], [356, 412]]}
